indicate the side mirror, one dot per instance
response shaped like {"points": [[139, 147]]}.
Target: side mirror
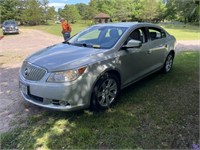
{"points": [[132, 44]]}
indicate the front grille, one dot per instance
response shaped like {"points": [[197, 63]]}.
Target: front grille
{"points": [[9, 28], [32, 72]]}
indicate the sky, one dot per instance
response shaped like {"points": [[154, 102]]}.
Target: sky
{"points": [[61, 3]]}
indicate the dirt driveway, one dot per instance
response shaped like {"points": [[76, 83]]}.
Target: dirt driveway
{"points": [[13, 49]]}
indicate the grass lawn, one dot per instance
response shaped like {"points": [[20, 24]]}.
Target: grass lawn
{"points": [[56, 28], [158, 112], [181, 32]]}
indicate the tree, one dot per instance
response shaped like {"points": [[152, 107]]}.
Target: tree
{"points": [[171, 12], [118, 9], [51, 13], [33, 12], [91, 12], [71, 13], [123, 10], [148, 10], [9, 9], [188, 10], [45, 7], [83, 10]]}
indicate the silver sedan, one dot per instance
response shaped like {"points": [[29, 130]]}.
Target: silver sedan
{"points": [[91, 68]]}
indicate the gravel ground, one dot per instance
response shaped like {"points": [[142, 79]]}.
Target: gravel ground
{"points": [[13, 49]]}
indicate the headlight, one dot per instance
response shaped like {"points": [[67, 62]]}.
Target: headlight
{"points": [[66, 76], [16, 28], [3, 28]]}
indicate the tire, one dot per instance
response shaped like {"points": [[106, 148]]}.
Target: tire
{"points": [[168, 63], [105, 92]]}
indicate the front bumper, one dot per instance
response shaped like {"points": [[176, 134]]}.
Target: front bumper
{"points": [[59, 96], [10, 31]]}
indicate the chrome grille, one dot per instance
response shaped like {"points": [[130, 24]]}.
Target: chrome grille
{"points": [[9, 28], [32, 72]]}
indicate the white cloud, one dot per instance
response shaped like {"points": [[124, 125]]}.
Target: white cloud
{"points": [[57, 5]]}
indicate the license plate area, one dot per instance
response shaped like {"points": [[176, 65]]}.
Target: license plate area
{"points": [[24, 88]]}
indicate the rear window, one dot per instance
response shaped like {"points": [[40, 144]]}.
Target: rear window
{"points": [[155, 34]]}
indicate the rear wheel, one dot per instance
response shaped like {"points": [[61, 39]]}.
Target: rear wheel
{"points": [[168, 63], [105, 92]]}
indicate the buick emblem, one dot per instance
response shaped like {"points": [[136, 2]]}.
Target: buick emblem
{"points": [[26, 71]]}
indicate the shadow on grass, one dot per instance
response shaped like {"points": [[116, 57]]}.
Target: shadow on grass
{"points": [[159, 111]]}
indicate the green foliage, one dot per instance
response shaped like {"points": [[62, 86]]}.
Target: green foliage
{"points": [[148, 10], [182, 10], [55, 29], [70, 13], [190, 32], [44, 4], [51, 13], [158, 112], [9, 9], [82, 9], [33, 12], [124, 9], [119, 10]]}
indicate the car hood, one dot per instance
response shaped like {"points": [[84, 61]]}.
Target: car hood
{"points": [[63, 57]]}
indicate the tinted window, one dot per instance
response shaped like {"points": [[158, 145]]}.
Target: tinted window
{"points": [[139, 35], [155, 33]]}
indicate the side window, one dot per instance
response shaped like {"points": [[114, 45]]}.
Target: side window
{"points": [[155, 34], [138, 34], [163, 34]]}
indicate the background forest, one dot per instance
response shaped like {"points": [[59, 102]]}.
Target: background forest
{"points": [[35, 12]]}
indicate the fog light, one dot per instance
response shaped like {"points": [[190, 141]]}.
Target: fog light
{"points": [[63, 103]]}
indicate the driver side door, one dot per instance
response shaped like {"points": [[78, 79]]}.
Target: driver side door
{"points": [[134, 62]]}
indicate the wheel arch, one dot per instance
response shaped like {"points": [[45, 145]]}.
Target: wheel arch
{"points": [[109, 71], [172, 52]]}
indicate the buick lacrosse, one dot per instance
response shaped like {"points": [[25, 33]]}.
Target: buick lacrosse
{"points": [[91, 68]]}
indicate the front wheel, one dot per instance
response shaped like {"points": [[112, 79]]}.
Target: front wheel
{"points": [[105, 92], [168, 63]]}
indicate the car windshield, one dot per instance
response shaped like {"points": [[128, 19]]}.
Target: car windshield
{"points": [[103, 37], [9, 23]]}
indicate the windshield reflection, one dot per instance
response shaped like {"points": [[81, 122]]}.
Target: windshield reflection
{"points": [[103, 37]]}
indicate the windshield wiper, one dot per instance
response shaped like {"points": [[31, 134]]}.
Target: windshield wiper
{"points": [[86, 45], [82, 44], [66, 42]]}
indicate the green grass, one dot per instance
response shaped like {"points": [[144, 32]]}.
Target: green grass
{"points": [[56, 28], [158, 112], [183, 32]]}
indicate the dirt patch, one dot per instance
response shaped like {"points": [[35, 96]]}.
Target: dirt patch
{"points": [[13, 50], [188, 45]]}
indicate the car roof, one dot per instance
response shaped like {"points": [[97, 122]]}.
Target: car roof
{"points": [[10, 21], [129, 24]]}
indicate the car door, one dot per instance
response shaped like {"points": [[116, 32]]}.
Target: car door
{"points": [[134, 62], [157, 47]]}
